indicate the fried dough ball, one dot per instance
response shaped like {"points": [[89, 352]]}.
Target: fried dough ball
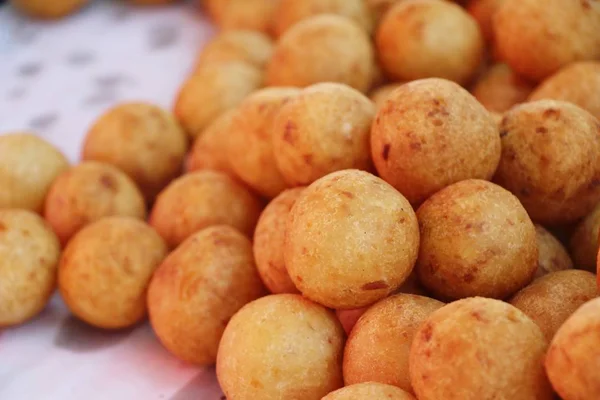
{"points": [[379, 345], [578, 83], [202, 199], [253, 15], [323, 48], [48, 9], [290, 12], [550, 160], [429, 38], [499, 88], [538, 38], [551, 299], [552, 255], [380, 95], [198, 288], [476, 240], [483, 12], [269, 239], [88, 192], [106, 269], [29, 253], [371, 391], [573, 362], [325, 128], [28, 166], [584, 242], [210, 149], [432, 133], [140, 139], [252, 47], [281, 347], [212, 90], [250, 149], [479, 348], [351, 240]]}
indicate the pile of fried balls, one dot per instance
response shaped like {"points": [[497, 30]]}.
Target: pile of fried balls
{"points": [[351, 199]]}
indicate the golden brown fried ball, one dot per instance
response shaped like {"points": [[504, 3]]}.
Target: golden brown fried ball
{"points": [[325, 128], [255, 15], [431, 133], [106, 269], [250, 148], [142, 140], [48, 9], [269, 239], [323, 48], [552, 255], [379, 345], [537, 38], [429, 38], [28, 166], [371, 391], [351, 240], [550, 160], [212, 90], [476, 240], [210, 149], [88, 192], [584, 242], [281, 347], [578, 83], [29, 253], [380, 95], [551, 299], [198, 288], [479, 348], [202, 199], [499, 88], [572, 362], [290, 12], [252, 47]]}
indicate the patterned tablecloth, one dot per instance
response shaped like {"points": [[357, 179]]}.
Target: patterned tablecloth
{"points": [[55, 79]]}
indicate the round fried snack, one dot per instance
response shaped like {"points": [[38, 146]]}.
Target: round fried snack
{"points": [[88, 192], [210, 149], [584, 242], [255, 15], [429, 38], [577, 83], [202, 199], [269, 239], [572, 362], [538, 38], [250, 148], [379, 345], [48, 9], [479, 348], [253, 361], [28, 166], [198, 288], [483, 12], [551, 299], [351, 240], [29, 253], [290, 12], [499, 88], [212, 90], [106, 269], [324, 129], [142, 140], [323, 48], [371, 391], [380, 95], [552, 255], [432, 133], [251, 47], [476, 240], [550, 160]]}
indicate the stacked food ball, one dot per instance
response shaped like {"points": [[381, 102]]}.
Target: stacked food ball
{"points": [[339, 162]]}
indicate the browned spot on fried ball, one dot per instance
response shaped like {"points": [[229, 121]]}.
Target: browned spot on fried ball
{"points": [[108, 182], [375, 285], [386, 151]]}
